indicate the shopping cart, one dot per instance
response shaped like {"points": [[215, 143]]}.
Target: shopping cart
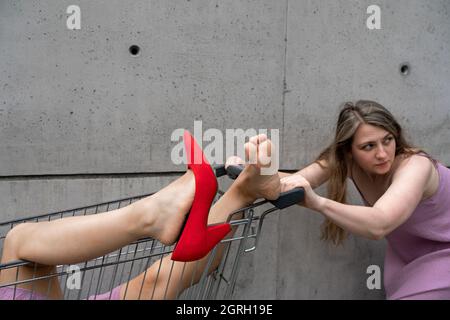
{"points": [[106, 272]]}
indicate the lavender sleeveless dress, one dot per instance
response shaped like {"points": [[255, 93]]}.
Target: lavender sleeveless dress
{"points": [[11, 293], [417, 261]]}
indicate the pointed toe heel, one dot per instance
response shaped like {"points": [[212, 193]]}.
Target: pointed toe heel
{"points": [[197, 239]]}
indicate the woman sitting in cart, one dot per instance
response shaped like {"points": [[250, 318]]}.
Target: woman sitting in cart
{"points": [[179, 212], [406, 194]]}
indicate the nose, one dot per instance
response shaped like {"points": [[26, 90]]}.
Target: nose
{"points": [[381, 153]]}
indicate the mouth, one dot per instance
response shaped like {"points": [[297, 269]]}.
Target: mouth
{"points": [[382, 164]]}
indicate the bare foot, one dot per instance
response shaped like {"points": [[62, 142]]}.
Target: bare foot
{"points": [[162, 214], [258, 155]]}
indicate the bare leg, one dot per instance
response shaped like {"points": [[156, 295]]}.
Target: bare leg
{"points": [[75, 239], [155, 281], [71, 240], [165, 279]]}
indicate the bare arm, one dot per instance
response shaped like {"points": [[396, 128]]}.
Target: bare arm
{"points": [[314, 173], [390, 211]]}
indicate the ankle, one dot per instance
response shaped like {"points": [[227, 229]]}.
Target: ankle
{"points": [[243, 191], [142, 219]]}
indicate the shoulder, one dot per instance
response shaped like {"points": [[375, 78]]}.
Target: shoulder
{"points": [[409, 185], [413, 166]]}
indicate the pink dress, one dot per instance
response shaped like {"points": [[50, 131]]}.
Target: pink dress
{"points": [[11, 293], [417, 260]]}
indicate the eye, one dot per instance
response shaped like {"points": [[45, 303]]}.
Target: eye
{"points": [[368, 147], [388, 139]]}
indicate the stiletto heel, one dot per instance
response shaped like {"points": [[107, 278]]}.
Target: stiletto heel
{"points": [[197, 239], [216, 233]]}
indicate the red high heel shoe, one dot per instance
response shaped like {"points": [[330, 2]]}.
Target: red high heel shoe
{"points": [[197, 238]]}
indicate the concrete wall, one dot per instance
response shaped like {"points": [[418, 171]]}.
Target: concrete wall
{"points": [[77, 104]]}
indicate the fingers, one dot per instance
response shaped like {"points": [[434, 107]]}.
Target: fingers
{"points": [[294, 181], [311, 200], [233, 161]]}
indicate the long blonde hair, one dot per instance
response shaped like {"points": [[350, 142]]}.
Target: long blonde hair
{"points": [[336, 154]]}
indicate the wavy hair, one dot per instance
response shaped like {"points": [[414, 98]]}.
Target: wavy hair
{"points": [[336, 155]]}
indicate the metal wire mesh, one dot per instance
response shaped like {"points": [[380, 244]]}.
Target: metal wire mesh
{"points": [[102, 274]]}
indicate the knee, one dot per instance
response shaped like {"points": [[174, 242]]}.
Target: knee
{"points": [[11, 244]]}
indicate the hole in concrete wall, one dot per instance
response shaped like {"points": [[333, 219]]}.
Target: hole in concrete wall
{"points": [[405, 69], [134, 50]]}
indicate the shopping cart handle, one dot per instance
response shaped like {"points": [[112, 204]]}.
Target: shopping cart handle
{"points": [[289, 198], [286, 199], [232, 171], [220, 170]]}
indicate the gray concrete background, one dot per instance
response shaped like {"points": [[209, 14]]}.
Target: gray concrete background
{"points": [[76, 104]]}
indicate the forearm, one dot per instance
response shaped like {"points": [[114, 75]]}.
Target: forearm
{"points": [[315, 174], [360, 220]]}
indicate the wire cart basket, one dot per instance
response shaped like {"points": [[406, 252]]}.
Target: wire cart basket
{"points": [[104, 273]]}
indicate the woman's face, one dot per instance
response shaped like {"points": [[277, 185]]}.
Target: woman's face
{"points": [[373, 149]]}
